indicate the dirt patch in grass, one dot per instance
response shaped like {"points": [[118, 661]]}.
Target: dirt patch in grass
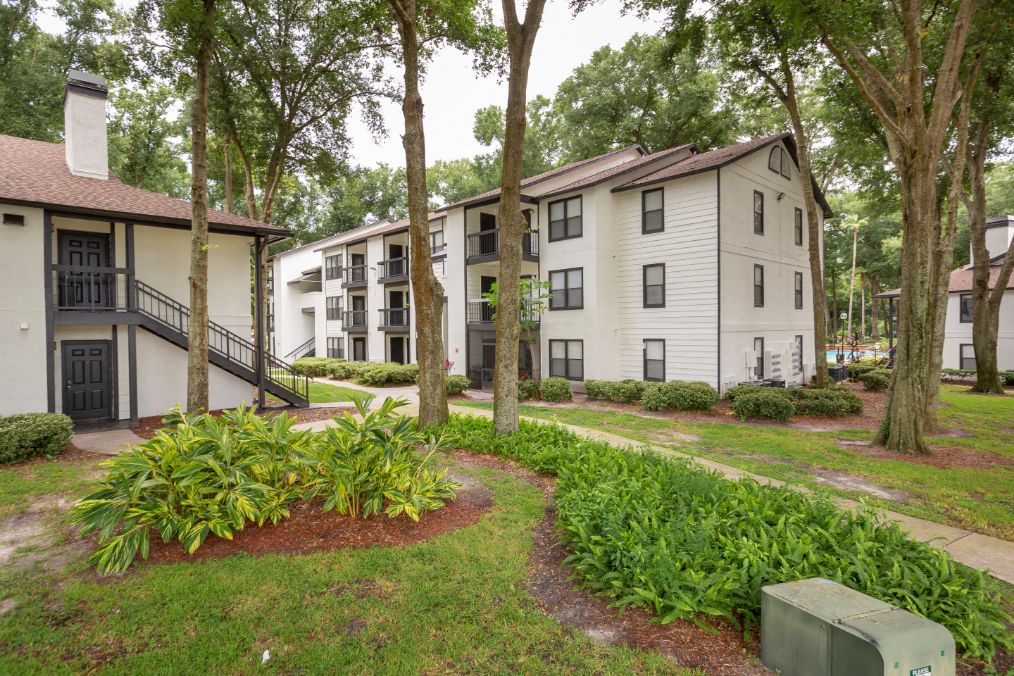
{"points": [[28, 537], [310, 529], [848, 482], [944, 458], [147, 427]]}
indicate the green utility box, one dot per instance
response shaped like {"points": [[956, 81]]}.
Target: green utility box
{"points": [[817, 627]]}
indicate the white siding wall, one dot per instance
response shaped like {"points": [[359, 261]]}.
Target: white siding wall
{"points": [[957, 333], [454, 290], [293, 327]]}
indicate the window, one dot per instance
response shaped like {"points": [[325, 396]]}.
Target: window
{"points": [[799, 227], [437, 244], [786, 167], [334, 308], [335, 348], [758, 286], [654, 360], [965, 301], [654, 285], [567, 289], [566, 359], [799, 354], [565, 219], [758, 348], [778, 162], [758, 212], [652, 211], [798, 291], [967, 357], [333, 266]]}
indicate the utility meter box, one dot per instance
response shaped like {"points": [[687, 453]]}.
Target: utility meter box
{"points": [[817, 627]]}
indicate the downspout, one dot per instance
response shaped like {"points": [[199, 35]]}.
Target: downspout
{"points": [[259, 319]]}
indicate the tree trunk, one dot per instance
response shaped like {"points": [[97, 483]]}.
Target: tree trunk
{"points": [[875, 309], [427, 293], [834, 303], [197, 352], [227, 150], [852, 277], [520, 40]]}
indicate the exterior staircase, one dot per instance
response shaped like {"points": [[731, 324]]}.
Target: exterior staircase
{"points": [[169, 319], [307, 349]]}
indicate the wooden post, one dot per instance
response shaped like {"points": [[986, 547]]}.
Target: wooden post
{"points": [[259, 317]]}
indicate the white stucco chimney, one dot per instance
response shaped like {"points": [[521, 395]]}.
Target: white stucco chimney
{"points": [[999, 233], [84, 125]]}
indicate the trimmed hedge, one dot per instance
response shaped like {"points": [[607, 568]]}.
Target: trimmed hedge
{"points": [[766, 403], [315, 367], [678, 395], [876, 380], [829, 401], [348, 370], [621, 392], [29, 435], [556, 389], [735, 391], [456, 384], [712, 543], [526, 389], [389, 374]]}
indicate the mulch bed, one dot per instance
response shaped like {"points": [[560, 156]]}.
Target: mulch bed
{"points": [[942, 457], [146, 427], [310, 529]]}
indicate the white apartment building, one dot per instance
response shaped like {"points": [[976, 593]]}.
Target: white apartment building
{"points": [[678, 265]]}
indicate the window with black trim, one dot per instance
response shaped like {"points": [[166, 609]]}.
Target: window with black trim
{"points": [[654, 285], [567, 289], [778, 162], [967, 357], [333, 307], [798, 291], [758, 348], [965, 302], [799, 226], [654, 360], [799, 354], [758, 286], [335, 348], [333, 266], [437, 244], [566, 359], [652, 212], [758, 212], [565, 219]]}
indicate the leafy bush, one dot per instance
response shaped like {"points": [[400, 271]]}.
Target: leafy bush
{"points": [[679, 396], [766, 403], [456, 384], [713, 543], [1007, 377], [737, 390], [828, 401], [347, 370], [556, 389], [315, 367], [857, 369], [388, 374], [29, 435], [526, 389], [215, 475], [621, 392], [876, 380]]}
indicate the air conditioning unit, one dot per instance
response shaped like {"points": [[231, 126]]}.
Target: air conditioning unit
{"points": [[817, 627]]}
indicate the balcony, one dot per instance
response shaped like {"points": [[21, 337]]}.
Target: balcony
{"points": [[354, 321], [354, 276], [394, 319], [479, 312], [393, 271], [484, 246]]}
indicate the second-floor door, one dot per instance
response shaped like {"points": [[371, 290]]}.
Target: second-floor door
{"points": [[90, 285]]}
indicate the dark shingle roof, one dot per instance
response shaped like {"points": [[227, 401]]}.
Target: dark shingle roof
{"points": [[619, 169], [36, 173]]}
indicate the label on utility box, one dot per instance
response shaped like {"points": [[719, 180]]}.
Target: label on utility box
{"points": [[921, 671]]}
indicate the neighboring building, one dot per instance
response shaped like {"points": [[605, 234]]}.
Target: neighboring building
{"points": [[678, 265], [87, 261]]}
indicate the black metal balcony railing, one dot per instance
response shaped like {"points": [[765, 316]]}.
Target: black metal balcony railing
{"points": [[487, 243], [354, 274], [392, 268], [354, 319], [394, 317], [480, 312], [89, 289]]}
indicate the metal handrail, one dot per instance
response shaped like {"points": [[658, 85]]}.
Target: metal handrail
{"points": [[394, 316], [303, 349], [354, 273], [392, 267], [481, 312], [487, 242], [354, 318]]}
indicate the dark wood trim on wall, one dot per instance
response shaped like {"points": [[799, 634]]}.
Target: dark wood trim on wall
{"points": [[718, 267], [129, 237], [132, 361], [259, 317], [47, 257], [114, 367]]}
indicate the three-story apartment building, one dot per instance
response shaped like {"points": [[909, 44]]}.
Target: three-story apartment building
{"points": [[677, 265]]}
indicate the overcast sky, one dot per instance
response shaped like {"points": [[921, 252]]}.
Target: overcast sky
{"points": [[453, 92]]}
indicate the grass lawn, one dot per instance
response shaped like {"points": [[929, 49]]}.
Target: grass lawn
{"points": [[325, 393], [457, 603], [22, 483], [968, 497]]}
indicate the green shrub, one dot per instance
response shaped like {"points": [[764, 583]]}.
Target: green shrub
{"points": [[315, 367], [711, 544], [347, 370], [556, 389], [456, 384], [678, 395], [29, 435], [876, 380], [206, 475], [1007, 378], [737, 390], [858, 368], [766, 403], [526, 389], [388, 374], [828, 401], [621, 392]]}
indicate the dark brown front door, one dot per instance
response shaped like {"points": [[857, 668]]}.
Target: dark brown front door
{"points": [[398, 350], [88, 286], [487, 243], [358, 349], [88, 385]]}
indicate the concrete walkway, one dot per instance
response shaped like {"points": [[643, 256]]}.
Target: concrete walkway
{"points": [[110, 442]]}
